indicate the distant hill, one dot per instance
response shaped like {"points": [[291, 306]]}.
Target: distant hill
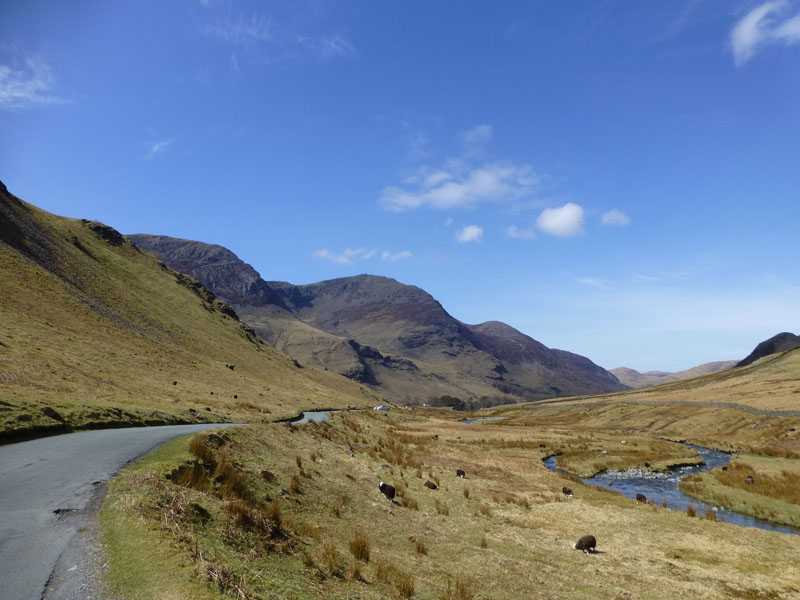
{"points": [[96, 332], [634, 379], [778, 343], [393, 337]]}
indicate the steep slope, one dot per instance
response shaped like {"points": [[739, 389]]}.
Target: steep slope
{"points": [[634, 379], [394, 337], [95, 331], [778, 343]]}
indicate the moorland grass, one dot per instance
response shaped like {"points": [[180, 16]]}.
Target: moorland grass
{"points": [[527, 550]]}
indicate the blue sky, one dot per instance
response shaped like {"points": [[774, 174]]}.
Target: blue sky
{"points": [[617, 179]]}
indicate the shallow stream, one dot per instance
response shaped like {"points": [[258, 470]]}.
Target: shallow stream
{"points": [[659, 487]]}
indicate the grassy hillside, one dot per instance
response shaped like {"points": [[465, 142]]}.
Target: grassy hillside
{"points": [[94, 332], [772, 384]]}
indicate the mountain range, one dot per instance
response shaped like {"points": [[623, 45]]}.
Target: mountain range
{"points": [[392, 337], [634, 379]]}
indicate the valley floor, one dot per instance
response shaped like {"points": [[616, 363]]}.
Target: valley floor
{"points": [[280, 511]]}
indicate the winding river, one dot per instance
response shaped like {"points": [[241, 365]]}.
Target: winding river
{"points": [[660, 487]]}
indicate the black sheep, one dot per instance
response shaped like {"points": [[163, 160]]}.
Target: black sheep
{"points": [[387, 490], [587, 543]]}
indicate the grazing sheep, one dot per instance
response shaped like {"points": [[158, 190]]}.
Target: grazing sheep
{"points": [[749, 479], [460, 473], [641, 498], [566, 491], [587, 543], [387, 490], [430, 485]]}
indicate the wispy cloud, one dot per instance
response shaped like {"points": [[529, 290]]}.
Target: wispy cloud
{"points": [[26, 82], [477, 136], [762, 26], [615, 217], [344, 258], [386, 255], [470, 233], [328, 46], [521, 234], [418, 146], [564, 221], [348, 256], [242, 31], [595, 282], [157, 148], [261, 38]]}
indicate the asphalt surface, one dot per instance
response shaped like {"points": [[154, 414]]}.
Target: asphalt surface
{"points": [[46, 488]]}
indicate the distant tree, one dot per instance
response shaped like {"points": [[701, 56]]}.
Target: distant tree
{"points": [[453, 402]]}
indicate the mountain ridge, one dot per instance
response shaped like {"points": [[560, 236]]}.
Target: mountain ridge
{"points": [[392, 336]]}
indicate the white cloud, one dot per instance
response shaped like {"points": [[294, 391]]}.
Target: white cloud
{"points": [[460, 187], [157, 148], [26, 83], [564, 221], [470, 233], [615, 217], [396, 256], [521, 234], [759, 27], [477, 136]]}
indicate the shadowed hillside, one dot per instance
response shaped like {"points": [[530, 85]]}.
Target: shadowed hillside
{"points": [[94, 331], [393, 337]]}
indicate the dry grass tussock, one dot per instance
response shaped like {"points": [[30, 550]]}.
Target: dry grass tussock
{"points": [[460, 590], [359, 546]]}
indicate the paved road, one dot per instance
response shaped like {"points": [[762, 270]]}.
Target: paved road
{"points": [[43, 481]]}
